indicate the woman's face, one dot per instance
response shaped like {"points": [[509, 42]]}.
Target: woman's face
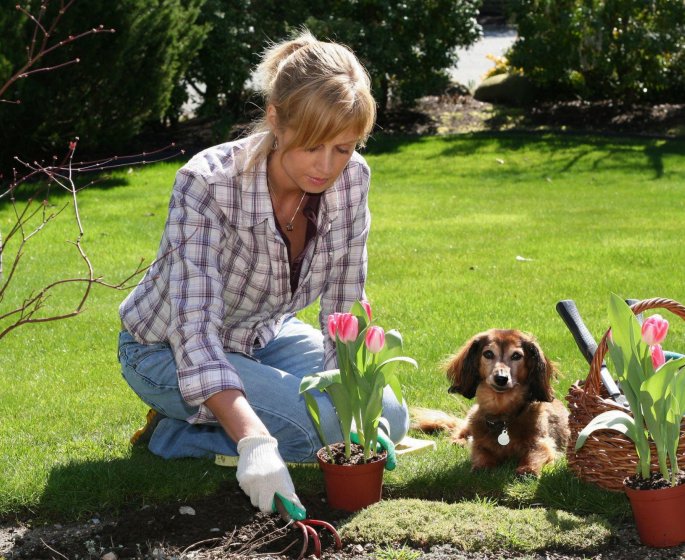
{"points": [[315, 169]]}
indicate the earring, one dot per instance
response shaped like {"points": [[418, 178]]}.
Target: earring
{"points": [[275, 144]]}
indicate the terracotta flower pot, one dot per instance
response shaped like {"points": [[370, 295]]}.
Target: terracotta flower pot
{"points": [[659, 515], [352, 487]]}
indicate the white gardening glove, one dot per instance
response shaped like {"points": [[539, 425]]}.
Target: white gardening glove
{"points": [[261, 472]]}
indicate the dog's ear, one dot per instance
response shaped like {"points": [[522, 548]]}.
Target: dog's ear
{"points": [[540, 371], [463, 369]]}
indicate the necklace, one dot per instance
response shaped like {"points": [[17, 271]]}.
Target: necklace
{"points": [[289, 226]]}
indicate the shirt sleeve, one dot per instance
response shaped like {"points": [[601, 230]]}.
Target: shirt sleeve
{"points": [[348, 274], [197, 237]]}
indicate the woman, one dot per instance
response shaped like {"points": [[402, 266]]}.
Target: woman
{"points": [[257, 230]]}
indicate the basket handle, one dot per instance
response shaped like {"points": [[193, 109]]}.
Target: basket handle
{"points": [[593, 381]]}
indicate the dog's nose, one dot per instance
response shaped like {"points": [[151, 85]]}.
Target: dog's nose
{"points": [[501, 379]]}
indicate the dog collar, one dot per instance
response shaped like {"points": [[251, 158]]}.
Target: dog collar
{"points": [[500, 426]]}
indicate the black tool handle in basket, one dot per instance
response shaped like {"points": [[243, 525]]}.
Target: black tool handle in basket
{"points": [[586, 343], [592, 383]]}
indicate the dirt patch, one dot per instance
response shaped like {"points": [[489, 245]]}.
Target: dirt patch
{"points": [[456, 112], [225, 525]]}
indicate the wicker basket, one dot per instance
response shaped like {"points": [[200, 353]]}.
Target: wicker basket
{"points": [[607, 457]]}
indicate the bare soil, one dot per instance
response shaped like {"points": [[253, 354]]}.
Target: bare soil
{"points": [[225, 525]]}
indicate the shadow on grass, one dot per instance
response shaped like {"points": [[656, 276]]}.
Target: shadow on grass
{"points": [[39, 191], [656, 150], [76, 490], [580, 146]]}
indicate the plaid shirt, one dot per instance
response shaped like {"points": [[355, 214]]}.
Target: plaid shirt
{"points": [[221, 278]]}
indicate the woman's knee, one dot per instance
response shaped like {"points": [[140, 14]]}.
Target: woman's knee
{"points": [[150, 371], [396, 415]]}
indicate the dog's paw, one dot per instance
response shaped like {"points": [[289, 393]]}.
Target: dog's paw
{"points": [[527, 470], [461, 438]]}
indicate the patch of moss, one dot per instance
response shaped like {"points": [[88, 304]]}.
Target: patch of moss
{"points": [[480, 526]]}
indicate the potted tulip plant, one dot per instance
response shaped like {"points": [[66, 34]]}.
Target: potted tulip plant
{"points": [[366, 355], [655, 391]]}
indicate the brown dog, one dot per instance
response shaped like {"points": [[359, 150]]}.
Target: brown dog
{"points": [[516, 415]]}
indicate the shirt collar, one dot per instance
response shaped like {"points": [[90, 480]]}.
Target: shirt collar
{"points": [[256, 201]]}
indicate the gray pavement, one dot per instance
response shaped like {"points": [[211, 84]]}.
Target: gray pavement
{"points": [[473, 62]]}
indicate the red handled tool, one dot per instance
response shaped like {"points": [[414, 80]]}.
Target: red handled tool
{"points": [[288, 512]]}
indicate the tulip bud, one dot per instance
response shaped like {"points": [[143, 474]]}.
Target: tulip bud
{"points": [[333, 325], [367, 307], [654, 330], [375, 339], [658, 357], [348, 327]]}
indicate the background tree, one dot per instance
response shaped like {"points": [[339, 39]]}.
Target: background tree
{"points": [[407, 46], [238, 32], [28, 191], [107, 97]]}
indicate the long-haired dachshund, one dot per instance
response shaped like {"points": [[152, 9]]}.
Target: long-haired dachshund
{"points": [[516, 415]]}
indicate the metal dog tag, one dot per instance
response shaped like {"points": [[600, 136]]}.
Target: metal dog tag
{"points": [[503, 438]]}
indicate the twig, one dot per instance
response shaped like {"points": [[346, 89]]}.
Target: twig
{"points": [[198, 543], [258, 542], [53, 550], [38, 49]]}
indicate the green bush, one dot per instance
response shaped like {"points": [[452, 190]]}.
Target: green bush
{"points": [[238, 32], [122, 81], [625, 50], [406, 46]]}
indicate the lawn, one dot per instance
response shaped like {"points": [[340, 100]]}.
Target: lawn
{"points": [[469, 232]]}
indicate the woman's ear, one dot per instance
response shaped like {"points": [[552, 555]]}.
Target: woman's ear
{"points": [[272, 118]]}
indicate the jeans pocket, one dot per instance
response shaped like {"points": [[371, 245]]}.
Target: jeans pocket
{"points": [[152, 364]]}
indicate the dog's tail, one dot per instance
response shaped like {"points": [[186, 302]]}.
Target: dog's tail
{"points": [[430, 420]]}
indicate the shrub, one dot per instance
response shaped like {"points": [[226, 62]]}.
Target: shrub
{"points": [[119, 84], [406, 46], [626, 50]]}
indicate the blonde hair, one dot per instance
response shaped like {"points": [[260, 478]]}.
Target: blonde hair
{"points": [[319, 90]]}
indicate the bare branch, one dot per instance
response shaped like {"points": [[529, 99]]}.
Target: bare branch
{"points": [[35, 214], [40, 47]]}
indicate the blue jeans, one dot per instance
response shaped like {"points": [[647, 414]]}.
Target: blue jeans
{"points": [[271, 378]]}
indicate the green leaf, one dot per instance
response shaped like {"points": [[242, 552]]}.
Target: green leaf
{"points": [[320, 380], [392, 347], [398, 359], [359, 312], [392, 380], [315, 413], [663, 413], [611, 420]]}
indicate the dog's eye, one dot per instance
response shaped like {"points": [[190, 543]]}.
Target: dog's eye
{"points": [[516, 356], [489, 354]]}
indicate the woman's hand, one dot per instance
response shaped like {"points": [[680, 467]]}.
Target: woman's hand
{"points": [[262, 472], [261, 469]]}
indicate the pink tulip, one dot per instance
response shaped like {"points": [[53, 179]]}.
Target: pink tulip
{"points": [[654, 330], [367, 307], [333, 324], [348, 327], [375, 339], [658, 358]]}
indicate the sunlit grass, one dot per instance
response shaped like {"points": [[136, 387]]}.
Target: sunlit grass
{"points": [[469, 232]]}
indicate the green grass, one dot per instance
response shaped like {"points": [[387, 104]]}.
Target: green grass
{"points": [[450, 216]]}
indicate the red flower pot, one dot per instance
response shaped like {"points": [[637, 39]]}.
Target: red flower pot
{"points": [[659, 515], [353, 487]]}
